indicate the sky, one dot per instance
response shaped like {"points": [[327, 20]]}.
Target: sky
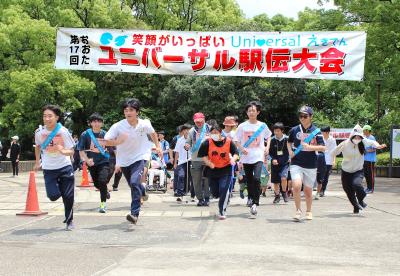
{"points": [[288, 8]]}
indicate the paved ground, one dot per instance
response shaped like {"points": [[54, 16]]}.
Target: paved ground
{"points": [[173, 239]]}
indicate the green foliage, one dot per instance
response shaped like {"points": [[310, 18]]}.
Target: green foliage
{"points": [[28, 81]]}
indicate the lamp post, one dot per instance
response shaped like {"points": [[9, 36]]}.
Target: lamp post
{"points": [[378, 98]]}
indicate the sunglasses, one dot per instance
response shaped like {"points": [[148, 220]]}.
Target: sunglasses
{"points": [[303, 116]]}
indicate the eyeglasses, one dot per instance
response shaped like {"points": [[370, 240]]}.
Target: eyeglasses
{"points": [[303, 116]]}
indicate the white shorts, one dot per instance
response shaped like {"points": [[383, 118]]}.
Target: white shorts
{"points": [[307, 176]]}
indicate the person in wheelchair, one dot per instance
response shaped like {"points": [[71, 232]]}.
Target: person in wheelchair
{"points": [[156, 168]]}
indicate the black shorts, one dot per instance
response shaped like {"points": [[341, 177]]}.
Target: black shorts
{"points": [[279, 171]]}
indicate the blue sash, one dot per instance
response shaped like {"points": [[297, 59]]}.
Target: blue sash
{"points": [[97, 144], [254, 136], [265, 170], [307, 140], [198, 142], [50, 137]]}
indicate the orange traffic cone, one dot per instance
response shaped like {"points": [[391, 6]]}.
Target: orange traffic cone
{"points": [[85, 177], [32, 203]]}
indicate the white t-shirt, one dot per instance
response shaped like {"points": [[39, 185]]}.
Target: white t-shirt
{"points": [[330, 145], [52, 159], [180, 149], [136, 146], [256, 149]]}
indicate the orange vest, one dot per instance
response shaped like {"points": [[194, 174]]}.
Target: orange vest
{"points": [[219, 156]]}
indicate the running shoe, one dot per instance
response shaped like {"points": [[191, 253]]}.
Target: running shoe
{"points": [[249, 202], [221, 216], [277, 199], [131, 218], [70, 226], [253, 210], [102, 208], [285, 197], [297, 216], [363, 204], [309, 216]]}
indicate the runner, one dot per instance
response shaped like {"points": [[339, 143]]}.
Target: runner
{"points": [[92, 150], [54, 148], [229, 125], [250, 138], [353, 150], [307, 140], [197, 135], [130, 137], [182, 163], [219, 154], [230, 131], [280, 162], [330, 159]]}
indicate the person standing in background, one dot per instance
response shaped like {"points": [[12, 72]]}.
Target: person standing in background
{"points": [[15, 151], [369, 161]]}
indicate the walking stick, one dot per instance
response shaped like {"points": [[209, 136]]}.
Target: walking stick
{"points": [[187, 175]]}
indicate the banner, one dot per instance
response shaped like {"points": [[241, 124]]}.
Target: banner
{"points": [[395, 143], [341, 133], [311, 55]]}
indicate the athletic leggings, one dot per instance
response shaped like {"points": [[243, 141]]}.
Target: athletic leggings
{"points": [[253, 175], [352, 185], [99, 175]]}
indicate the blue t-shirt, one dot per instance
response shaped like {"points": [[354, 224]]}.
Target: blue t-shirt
{"points": [[86, 144], [370, 156], [305, 159]]}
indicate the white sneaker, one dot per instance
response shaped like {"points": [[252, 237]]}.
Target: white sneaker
{"points": [[297, 216], [253, 210], [316, 196], [309, 216]]}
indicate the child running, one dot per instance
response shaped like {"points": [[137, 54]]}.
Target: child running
{"points": [[92, 150], [54, 147], [219, 154]]}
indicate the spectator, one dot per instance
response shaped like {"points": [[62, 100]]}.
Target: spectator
{"points": [[15, 151]]}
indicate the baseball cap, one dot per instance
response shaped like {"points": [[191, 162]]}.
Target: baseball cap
{"points": [[15, 137], [198, 116], [367, 127], [306, 110]]}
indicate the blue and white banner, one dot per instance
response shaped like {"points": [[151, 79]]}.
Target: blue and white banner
{"points": [[311, 55]]}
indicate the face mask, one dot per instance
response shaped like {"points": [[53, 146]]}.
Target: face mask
{"points": [[215, 137], [356, 141]]}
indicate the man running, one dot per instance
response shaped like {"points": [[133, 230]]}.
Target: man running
{"points": [[307, 140], [250, 139], [130, 138]]}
